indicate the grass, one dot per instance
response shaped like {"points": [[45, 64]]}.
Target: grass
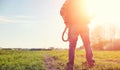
{"points": [[21, 60], [34, 60]]}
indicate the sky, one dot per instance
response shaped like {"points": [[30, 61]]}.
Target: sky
{"points": [[38, 24], [31, 24]]}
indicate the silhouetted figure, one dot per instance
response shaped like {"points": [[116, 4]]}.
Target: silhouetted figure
{"points": [[76, 19]]}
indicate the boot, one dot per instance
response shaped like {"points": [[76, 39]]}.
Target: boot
{"points": [[91, 63], [69, 67]]}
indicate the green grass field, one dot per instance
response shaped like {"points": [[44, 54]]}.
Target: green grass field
{"points": [[56, 60]]}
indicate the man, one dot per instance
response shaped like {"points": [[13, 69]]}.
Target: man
{"points": [[75, 17]]}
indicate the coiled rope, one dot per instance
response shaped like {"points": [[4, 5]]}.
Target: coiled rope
{"points": [[65, 40]]}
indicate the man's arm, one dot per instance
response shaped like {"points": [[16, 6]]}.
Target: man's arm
{"points": [[64, 12]]}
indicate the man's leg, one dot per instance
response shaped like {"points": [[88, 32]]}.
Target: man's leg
{"points": [[72, 46], [73, 37], [86, 41]]}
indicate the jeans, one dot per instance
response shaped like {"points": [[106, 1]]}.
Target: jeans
{"points": [[74, 32]]}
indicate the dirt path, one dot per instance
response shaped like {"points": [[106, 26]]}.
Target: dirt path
{"points": [[50, 63]]}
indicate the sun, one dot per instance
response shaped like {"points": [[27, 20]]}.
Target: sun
{"points": [[105, 11]]}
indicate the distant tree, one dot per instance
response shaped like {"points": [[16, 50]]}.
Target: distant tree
{"points": [[51, 48], [102, 36], [98, 37], [97, 34], [112, 46], [0, 48]]}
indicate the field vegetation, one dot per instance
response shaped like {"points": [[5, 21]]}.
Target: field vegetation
{"points": [[56, 60]]}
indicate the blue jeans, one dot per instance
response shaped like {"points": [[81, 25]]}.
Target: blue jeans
{"points": [[74, 32]]}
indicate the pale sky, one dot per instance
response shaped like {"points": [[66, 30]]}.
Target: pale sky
{"points": [[31, 24], [38, 24]]}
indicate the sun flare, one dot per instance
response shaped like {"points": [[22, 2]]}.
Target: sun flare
{"points": [[105, 11]]}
